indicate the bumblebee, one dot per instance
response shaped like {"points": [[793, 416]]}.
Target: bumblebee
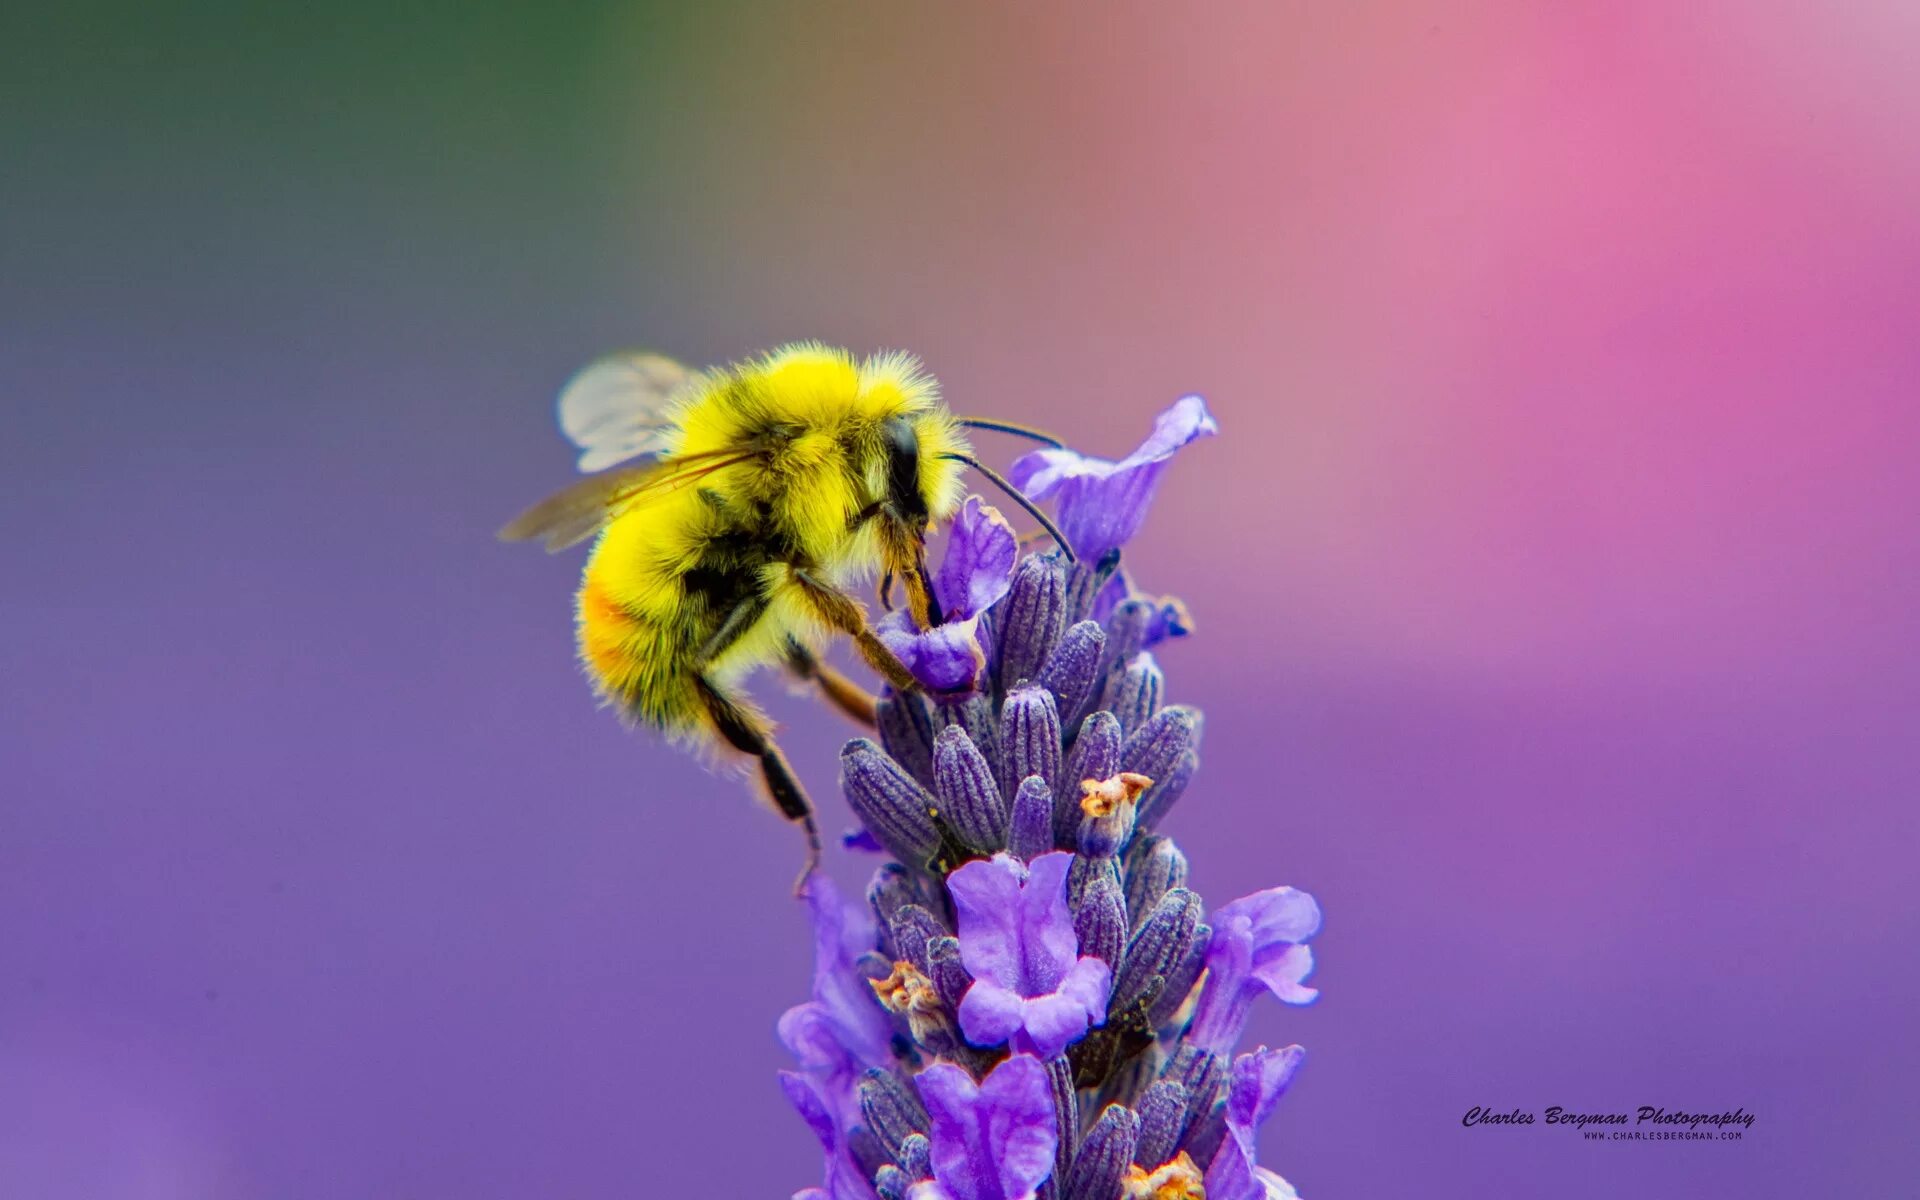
{"points": [[733, 509]]}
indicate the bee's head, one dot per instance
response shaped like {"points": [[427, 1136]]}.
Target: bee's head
{"points": [[922, 487]]}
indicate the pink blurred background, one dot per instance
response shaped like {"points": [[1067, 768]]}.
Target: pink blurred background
{"points": [[1554, 571]]}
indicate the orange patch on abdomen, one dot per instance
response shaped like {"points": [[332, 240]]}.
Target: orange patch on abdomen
{"points": [[608, 635]]}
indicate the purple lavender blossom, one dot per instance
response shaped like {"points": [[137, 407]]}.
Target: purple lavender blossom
{"points": [[1101, 503], [1258, 946], [1032, 1004], [975, 573], [1031, 984], [1258, 1081], [994, 1140]]}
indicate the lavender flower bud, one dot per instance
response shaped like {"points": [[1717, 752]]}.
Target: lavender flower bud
{"points": [[1036, 614], [1031, 830], [1104, 1156], [1167, 789], [1072, 669], [975, 715], [1066, 1117], [949, 975], [916, 1157], [1163, 1118], [1206, 1133], [1107, 812], [891, 888], [1160, 945], [1085, 874], [1204, 1075], [1158, 744], [913, 927], [1126, 631], [1159, 749], [1095, 755], [969, 799], [1029, 738], [1154, 866], [1181, 979], [891, 1110], [868, 1152], [1100, 921], [1133, 695], [891, 1183], [893, 807], [906, 730], [1085, 580]]}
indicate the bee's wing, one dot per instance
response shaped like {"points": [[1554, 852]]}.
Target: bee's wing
{"points": [[575, 514], [615, 408]]}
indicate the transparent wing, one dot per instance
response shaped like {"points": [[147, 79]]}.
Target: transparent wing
{"points": [[615, 408], [575, 514]]}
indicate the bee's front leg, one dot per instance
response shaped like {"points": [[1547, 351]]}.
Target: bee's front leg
{"points": [[841, 612]]}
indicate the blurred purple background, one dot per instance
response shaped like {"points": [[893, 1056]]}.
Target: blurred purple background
{"points": [[1556, 570]]}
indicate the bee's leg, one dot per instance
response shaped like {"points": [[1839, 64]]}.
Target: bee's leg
{"points": [[845, 695], [839, 611], [749, 733]]}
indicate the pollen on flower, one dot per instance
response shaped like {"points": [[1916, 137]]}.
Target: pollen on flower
{"points": [[906, 990], [1178, 1179], [1100, 797]]}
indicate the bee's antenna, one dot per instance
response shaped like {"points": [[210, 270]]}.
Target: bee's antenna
{"points": [[1020, 498], [1017, 430]]}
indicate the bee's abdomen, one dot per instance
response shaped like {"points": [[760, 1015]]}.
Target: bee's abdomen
{"points": [[634, 658]]}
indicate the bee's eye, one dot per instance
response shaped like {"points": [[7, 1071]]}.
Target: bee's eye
{"points": [[903, 468]]}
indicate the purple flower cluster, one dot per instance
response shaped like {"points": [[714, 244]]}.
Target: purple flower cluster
{"points": [[1032, 1003]]}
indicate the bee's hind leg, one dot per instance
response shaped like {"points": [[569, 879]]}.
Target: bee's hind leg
{"points": [[843, 693], [749, 733]]}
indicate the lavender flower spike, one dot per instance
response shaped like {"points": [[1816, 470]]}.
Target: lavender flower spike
{"points": [[1100, 504], [974, 575], [1033, 1003], [1031, 984], [991, 1141]]}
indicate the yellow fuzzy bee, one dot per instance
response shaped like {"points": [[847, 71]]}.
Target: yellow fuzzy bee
{"points": [[734, 507]]}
